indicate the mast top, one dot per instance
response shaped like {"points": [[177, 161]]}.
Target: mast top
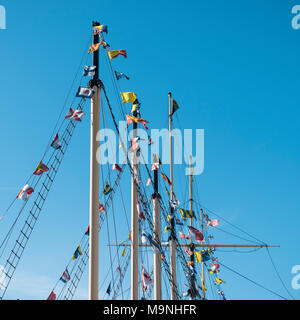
{"points": [[95, 23]]}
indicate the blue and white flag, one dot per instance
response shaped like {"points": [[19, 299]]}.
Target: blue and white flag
{"points": [[85, 92], [146, 237], [120, 75], [89, 71], [65, 276], [56, 144]]}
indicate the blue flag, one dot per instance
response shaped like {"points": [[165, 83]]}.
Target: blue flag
{"points": [[120, 75], [89, 71]]}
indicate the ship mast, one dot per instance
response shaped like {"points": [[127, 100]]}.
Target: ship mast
{"points": [[192, 246], [156, 234], [172, 236], [134, 221], [94, 179]]}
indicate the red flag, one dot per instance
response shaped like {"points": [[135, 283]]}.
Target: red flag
{"points": [[116, 167], [146, 279], [52, 296], [101, 208], [140, 212], [196, 233], [40, 169]]}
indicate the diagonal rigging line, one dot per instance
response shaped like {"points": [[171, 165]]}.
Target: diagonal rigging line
{"points": [[240, 229], [274, 266], [259, 285]]}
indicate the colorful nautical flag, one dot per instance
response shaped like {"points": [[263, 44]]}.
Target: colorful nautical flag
{"points": [[187, 251], [131, 119], [128, 97], [134, 143], [25, 193], [115, 53], [196, 233], [155, 166], [108, 290], [83, 92], [198, 256], [107, 189], [187, 214], [221, 293], [167, 228], [175, 107], [212, 222], [123, 252], [56, 144], [87, 232], [100, 29], [40, 169], [116, 167], [106, 46], [52, 296], [166, 178], [146, 279], [214, 268], [139, 211], [89, 71], [183, 236], [77, 253], [120, 75], [101, 208], [65, 276], [146, 237], [218, 280], [74, 115], [95, 47]]}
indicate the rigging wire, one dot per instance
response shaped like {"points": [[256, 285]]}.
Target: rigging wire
{"points": [[278, 275], [254, 282]]}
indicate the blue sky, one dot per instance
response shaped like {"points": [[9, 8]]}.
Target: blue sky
{"points": [[233, 69]]}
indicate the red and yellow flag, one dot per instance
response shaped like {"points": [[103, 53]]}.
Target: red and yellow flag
{"points": [[95, 47], [114, 53], [131, 119]]}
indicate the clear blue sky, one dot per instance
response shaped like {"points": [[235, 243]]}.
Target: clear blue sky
{"points": [[232, 67]]}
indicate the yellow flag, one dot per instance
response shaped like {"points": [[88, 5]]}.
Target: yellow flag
{"points": [[95, 47], [219, 281], [128, 97], [198, 256], [167, 228], [123, 252], [169, 217]]}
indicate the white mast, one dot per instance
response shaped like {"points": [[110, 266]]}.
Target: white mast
{"points": [[134, 222]]}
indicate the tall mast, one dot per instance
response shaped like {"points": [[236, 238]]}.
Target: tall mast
{"points": [[172, 236], [94, 180], [192, 246], [203, 274], [156, 236], [134, 223]]}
